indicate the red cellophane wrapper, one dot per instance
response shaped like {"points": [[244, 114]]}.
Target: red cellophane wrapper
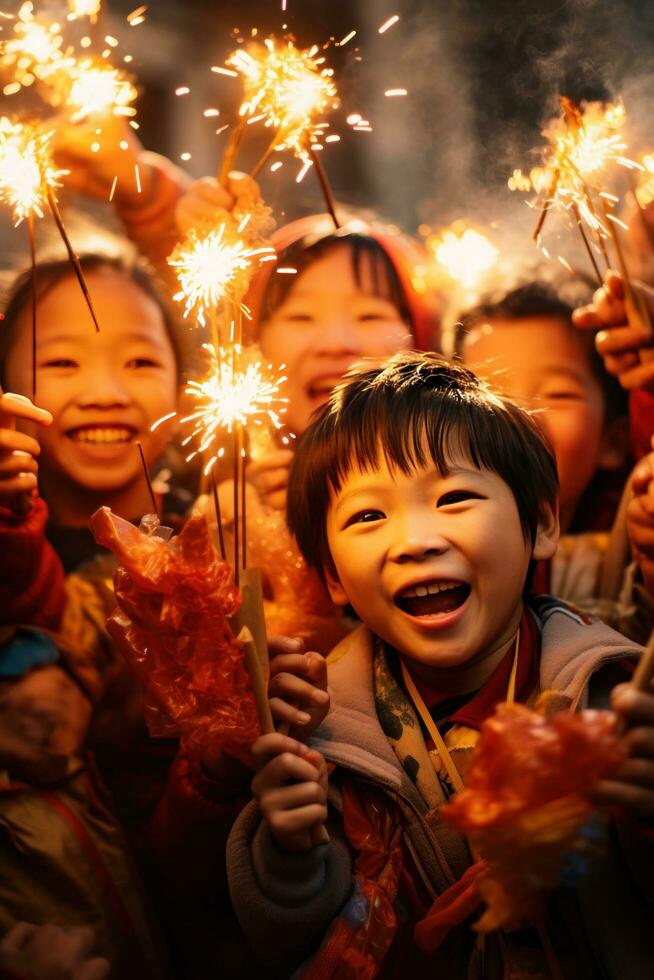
{"points": [[174, 600], [525, 808]]}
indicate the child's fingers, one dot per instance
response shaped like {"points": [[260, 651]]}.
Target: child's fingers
{"points": [[288, 822], [16, 485], [638, 772], [269, 746], [96, 969], [284, 768], [288, 714], [242, 185], [289, 687], [640, 741], [639, 377], [636, 707], [293, 797], [642, 475], [269, 481], [18, 937], [621, 339], [586, 318], [210, 191], [609, 308], [638, 800], [12, 442], [16, 463], [13, 406], [279, 646]]}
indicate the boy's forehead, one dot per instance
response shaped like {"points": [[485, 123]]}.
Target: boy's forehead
{"points": [[386, 472]]}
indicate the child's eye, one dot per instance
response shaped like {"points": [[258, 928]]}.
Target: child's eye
{"points": [[457, 497], [59, 362], [299, 317], [563, 395], [365, 517], [370, 315], [142, 362]]}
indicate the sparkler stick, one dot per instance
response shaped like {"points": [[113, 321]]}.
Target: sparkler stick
{"points": [[325, 186], [263, 159], [637, 312], [231, 151], [244, 527], [219, 520], [647, 228], [155, 506], [32, 239], [591, 256], [551, 193], [74, 261]]}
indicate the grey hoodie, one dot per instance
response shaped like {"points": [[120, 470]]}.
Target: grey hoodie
{"points": [[285, 902]]}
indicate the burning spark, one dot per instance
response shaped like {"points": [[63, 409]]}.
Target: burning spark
{"points": [[389, 23], [113, 189], [211, 267], [164, 418], [136, 16], [581, 145], [390, 92], [27, 171], [182, 90], [288, 87], [233, 394], [84, 8], [464, 254], [347, 38], [35, 48], [96, 88]]}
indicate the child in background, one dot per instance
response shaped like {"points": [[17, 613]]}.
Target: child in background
{"points": [[351, 297], [526, 345], [424, 499]]}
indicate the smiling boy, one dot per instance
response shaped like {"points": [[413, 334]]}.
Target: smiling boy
{"points": [[423, 499]]}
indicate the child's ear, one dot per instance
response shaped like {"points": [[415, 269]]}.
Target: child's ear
{"points": [[547, 533], [334, 587], [614, 446]]}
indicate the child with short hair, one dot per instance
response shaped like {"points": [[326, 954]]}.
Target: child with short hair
{"points": [[524, 342], [424, 499]]}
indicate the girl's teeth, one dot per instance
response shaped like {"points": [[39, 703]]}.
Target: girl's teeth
{"points": [[108, 435]]}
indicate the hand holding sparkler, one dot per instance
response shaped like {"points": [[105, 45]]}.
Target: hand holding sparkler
{"points": [[108, 166], [208, 203], [625, 347], [18, 452]]}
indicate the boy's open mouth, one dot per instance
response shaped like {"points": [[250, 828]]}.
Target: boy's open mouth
{"points": [[432, 598], [103, 435]]}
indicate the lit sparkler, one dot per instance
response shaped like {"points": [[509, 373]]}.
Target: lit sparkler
{"points": [[237, 391], [464, 257], [35, 49], [287, 88], [92, 86], [85, 8], [213, 266], [27, 171]]}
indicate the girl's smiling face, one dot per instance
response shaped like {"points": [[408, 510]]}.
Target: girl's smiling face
{"points": [[327, 321], [104, 389]]}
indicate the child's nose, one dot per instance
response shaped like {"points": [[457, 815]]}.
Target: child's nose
{"points": [[417, 539], [339, 337], [103, 391]]}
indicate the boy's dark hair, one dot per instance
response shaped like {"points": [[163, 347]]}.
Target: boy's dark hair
{"points": [[362, 248], [537, 298], [49, 274], [415, 408]]}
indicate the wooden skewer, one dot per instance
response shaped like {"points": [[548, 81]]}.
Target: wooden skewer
{"points": [[219, 520], [645, 669], [263, 159], [591, 256]]}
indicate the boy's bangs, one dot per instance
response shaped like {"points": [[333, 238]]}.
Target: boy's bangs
{"points": [[408, 439]]}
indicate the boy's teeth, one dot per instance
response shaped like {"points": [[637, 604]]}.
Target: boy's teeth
{"points": [[104, 435], [429, 588]]}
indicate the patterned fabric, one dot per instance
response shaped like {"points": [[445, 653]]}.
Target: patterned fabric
{"points": [[402, 729]]}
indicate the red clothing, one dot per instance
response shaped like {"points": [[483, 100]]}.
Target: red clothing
{"points": [[483, 703], [31, 574], [641, 422]]}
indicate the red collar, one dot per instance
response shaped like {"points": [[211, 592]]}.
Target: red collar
{"points": [[482, 704]]}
